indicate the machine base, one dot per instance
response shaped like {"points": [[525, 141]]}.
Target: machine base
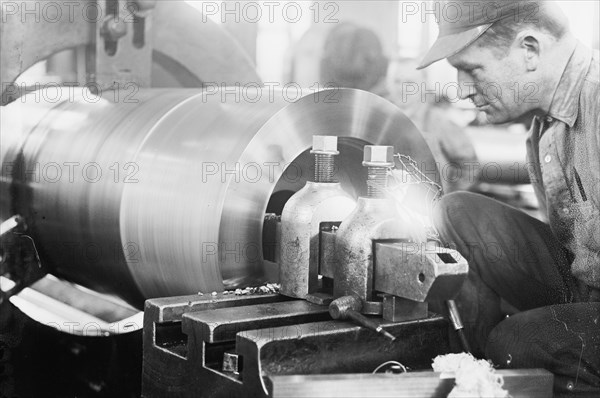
{"points": [[228, 346]]}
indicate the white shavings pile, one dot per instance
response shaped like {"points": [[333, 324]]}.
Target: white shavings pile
{"points": [[473, 377]]}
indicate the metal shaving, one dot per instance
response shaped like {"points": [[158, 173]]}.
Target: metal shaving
{"points": [[267, 288]]}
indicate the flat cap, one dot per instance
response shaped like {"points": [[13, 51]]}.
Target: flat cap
{"points": [[461, 22]]}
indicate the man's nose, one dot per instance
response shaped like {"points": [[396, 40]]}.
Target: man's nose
{"points": [[466, 85]]}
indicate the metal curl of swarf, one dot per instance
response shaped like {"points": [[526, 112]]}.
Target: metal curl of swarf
{"points": [[412, 175]]}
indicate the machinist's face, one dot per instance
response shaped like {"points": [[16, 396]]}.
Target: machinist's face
{"points": [[497, 86]]}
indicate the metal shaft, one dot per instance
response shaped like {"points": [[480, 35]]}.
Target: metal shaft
{"points": [[324, 167], [376, 181], [348, 307], [369, 323], [458, 325], [10, 224], [162, 196]]}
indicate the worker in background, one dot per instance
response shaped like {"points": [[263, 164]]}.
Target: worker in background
{"points": [[549, 272], [451, 147], [353, 57]]}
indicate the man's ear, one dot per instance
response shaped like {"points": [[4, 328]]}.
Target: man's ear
{"points": [[529, 43]]}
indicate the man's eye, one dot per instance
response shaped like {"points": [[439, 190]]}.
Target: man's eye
{"points": [[474, 71]]}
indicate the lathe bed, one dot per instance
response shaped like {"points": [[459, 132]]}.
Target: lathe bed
{"points": [[190, 340]]}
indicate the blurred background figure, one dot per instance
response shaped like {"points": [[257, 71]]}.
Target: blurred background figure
{"points": [[353, 57], [432, 114]]}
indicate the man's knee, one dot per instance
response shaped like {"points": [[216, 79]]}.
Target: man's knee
{"points": [[450, 207], [562, 339], [514, 343]]}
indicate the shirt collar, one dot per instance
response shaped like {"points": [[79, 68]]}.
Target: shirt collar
{"points": [[565, 102]]}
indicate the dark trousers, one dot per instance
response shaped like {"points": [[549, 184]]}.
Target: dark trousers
{"points": [[516, 262]]}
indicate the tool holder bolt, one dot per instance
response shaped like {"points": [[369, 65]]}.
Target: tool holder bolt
{"points": [[325, 149], [113, 28], [377, 159]]}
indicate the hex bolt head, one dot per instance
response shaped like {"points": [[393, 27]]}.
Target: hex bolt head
{"points": [[114, 28], [325, 144], [378, 156]]}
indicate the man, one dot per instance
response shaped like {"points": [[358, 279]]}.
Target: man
{"points": [[515, 58], [353, 57]]}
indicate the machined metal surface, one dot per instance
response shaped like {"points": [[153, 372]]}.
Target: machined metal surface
{"points": [[348, 307], [340, 307], [338, 347], [373, 219], [397, 309], [327, 259], [9, 225], [221, 326], [325, 150], [166, 195], [300, 243], [183, 360], [419, 272], [378, 156]]}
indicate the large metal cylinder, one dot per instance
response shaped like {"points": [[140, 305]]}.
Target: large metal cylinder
{"points": [[164, 193]]}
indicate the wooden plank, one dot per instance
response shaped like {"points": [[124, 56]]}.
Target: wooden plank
{"points": [[521, 383]]}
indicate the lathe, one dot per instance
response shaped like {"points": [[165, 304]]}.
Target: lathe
{"points": [[184, 197]]}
